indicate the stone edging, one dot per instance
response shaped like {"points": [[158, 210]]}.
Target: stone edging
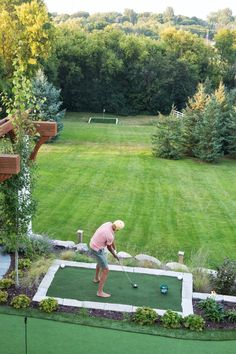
{"points": [[187, 283], [217, 297]]}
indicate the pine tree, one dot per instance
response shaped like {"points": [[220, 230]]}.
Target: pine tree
{"points": [[48, 101], [168, 140], [228, 119], [208, 130], [192, 116]]}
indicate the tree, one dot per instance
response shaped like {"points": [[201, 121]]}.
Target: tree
{"points": [[225, 43], [193, 114], [227, 102], [25, 33], [208, 132], [18, 206], [48, 101], [167, 142]]}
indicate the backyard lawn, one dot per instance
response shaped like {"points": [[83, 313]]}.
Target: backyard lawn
{"points": [[100, 172]]}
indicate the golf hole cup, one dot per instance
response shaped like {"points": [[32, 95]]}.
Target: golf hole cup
{"points": [[164, 289]]}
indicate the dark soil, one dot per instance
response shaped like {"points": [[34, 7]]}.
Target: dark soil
{"points": [[30, 292]]}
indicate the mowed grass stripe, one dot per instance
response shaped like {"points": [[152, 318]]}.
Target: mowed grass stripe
{"points": [[96, 173]]}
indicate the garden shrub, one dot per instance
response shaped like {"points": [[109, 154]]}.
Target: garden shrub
{"points": [[225, 279], [12, 275], [171, 319], [32, 247], [201, 281], [3, 296], [230, 315], [145, 316], [20, 301], [194, 323], [24, 263], [213, 311], [6, 283], [48, 305]]}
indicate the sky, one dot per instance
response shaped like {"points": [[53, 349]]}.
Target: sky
{"points": [[198, 8]]}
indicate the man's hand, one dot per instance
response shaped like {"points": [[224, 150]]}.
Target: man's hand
{"points": [[113, 252]]}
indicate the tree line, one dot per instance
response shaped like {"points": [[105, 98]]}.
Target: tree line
{"points": [[125, 72]]}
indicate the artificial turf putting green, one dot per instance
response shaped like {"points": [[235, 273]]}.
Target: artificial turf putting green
{"points": [[76, 283], [50, 337]]}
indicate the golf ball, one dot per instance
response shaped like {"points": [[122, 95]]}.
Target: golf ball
{"points": [[180, 277], [62, 265]]}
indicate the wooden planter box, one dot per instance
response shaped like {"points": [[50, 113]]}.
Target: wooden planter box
{"points": [[46, 128], [5, 126], [9, 164]]}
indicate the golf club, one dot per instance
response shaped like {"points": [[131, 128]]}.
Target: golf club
{"points": [[134, 285]]}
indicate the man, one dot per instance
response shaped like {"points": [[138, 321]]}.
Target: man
{"points": [[103, 237]]}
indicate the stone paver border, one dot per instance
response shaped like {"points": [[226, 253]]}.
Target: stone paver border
{"points": [[187, 283]]}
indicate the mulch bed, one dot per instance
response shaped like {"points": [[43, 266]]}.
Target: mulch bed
{"points": [[30, 292]]}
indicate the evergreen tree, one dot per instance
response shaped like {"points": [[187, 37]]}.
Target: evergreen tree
{"points": [[193, 114], [167, 142], [228, 119], [48, 101], [208, 131]]}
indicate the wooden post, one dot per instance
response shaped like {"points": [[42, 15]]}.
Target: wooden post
{"points": [[181, 257], [80, 236]]}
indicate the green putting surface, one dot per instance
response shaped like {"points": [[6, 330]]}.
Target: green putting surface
{"points": [[50, 337], [76, 283]]}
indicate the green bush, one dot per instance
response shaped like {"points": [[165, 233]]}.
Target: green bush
{"points": [[171, 319], [6, 283], [24, 263], [3, 296], [230, 315], [145, 316], [213, 311], [32, 247], [225, 278], [194, 323], [20, 301], [48, 305], [12, 275]]}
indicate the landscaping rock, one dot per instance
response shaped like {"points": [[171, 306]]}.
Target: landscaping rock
{"points": [[177, 266], [147, 258], [81, 247], [63, 244], [124, 255]]}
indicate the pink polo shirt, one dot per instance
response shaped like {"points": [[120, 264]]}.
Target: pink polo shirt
{"points": [[103, 236]]}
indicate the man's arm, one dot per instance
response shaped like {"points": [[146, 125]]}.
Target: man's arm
{"points": [[111, 248]]}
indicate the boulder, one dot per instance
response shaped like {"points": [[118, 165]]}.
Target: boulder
{"points": [[63, 244], [147, 258], [124, 255], [177, 267], [81, 247]]}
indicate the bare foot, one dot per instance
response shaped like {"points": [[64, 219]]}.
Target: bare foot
{"points": [[103, 294], [96, 280]]}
